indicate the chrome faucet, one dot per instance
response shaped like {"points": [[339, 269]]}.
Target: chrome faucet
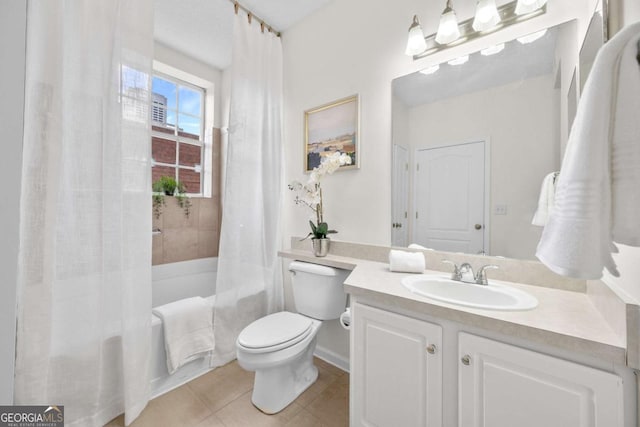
{"points": [[464, 273], [455, 274], [481, 276]]}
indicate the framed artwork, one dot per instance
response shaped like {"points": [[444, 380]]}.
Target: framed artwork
{"points": [[331, 128]]}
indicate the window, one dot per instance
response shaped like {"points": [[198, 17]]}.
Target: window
{"points": [[177, 131]]}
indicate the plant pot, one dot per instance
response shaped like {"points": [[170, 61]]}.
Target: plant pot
{"points": [[320, 247]]}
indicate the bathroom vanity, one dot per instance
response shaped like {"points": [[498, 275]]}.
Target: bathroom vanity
{"points": [[415, 361]]}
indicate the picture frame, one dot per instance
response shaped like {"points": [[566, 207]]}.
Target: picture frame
{"points": [[332, 127]]}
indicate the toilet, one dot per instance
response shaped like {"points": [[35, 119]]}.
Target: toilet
{"points": [[279, 347]]}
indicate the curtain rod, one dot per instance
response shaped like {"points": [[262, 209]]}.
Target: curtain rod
{"points": [[251, 15]]}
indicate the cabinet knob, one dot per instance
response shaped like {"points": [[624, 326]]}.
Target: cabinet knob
{"points": [[432, 349], [466, 360], [478, 226]]}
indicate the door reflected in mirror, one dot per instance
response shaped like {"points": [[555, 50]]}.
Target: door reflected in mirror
{"points": [[472, 144]]}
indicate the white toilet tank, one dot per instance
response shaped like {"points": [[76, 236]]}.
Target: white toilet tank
{"points": [[318, 290]]}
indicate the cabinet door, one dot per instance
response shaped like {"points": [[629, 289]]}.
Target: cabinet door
{"points": [[500, 385], [396, 370]]}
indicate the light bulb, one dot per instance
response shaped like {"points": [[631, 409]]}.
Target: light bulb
{"points": [[415, 42], [459, 60], [524, 7], [530, 38], [492, 50], [430, 70], [486, 16], [448, 30]]}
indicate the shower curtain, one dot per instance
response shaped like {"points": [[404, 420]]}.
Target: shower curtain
{"points": [[84, 304], [249, 284]]}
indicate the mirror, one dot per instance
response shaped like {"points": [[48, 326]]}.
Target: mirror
{"points": [[473, 142], [593, 40]]}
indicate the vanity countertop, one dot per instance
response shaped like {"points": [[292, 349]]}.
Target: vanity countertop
{"points": [[564, 319]]}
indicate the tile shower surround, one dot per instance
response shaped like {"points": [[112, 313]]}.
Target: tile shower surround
{"points": [[197, 236]]}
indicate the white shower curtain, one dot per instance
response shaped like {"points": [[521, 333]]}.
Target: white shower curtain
{"points": [[83, 338], [249, 284]]}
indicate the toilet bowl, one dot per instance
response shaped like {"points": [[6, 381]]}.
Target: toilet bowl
{"points": [[279, 347]]}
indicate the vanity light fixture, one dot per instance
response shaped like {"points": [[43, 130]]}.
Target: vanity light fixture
{"points": [[430, 70], [492, 50], [530, 38], [527, 6], [488, 19], [416, 42], [487, 15], [448, 30], [459, 60]]}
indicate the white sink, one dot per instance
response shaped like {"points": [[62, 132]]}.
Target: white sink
{"points": [[491, 297]]}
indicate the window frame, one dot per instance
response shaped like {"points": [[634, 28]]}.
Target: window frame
{"points": [[176, 137]]}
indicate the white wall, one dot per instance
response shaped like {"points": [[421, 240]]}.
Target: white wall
{"points": [[357, 46], [12, 57], [517, 120]]}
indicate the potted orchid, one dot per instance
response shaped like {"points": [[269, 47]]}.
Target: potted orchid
{"points": [[310, 195]]}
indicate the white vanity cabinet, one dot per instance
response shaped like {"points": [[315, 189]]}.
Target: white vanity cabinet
{"points": [[396, 370], [500, 385], [399, 364]]}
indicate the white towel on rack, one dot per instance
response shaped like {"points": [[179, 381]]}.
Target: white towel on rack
{"points": [[406, 262], [188, 330], [596, 196], [546, 200]]}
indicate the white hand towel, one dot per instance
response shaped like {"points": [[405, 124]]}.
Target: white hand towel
{"points": [[188, 330], [406, 262], [625, 152], [546, 200], [596, 198]]}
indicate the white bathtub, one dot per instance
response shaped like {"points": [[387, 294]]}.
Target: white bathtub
{"points": [[172, 282]]}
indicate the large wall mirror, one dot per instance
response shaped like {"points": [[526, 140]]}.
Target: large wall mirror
{"points": [[472, 142]]}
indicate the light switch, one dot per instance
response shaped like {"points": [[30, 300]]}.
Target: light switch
{"points": [[500, 209]]}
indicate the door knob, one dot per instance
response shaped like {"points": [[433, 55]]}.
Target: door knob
{"points": [[478, 226]]}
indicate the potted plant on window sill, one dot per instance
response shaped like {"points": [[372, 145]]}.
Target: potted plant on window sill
{"points": [[310, 195], [168, 186]]}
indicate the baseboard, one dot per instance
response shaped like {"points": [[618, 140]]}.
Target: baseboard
{"points": [[333, 358]]}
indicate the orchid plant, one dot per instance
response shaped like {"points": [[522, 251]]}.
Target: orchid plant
{"points": [[310, 194]]}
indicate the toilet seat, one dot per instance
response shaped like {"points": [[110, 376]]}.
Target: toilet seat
{"points": [[274, 332]]}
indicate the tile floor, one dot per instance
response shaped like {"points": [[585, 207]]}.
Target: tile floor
{"points": [[222, 398]]}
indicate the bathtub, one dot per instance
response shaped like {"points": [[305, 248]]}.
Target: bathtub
{"points": [[172, 282]]}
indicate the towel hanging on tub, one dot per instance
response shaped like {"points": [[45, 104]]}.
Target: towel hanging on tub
{"points": [[188, 330], [597, 200]]}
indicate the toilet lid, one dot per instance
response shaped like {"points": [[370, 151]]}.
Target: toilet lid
{"points": [[274, 329]]}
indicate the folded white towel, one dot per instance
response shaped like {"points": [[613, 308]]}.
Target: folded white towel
{"points": [[406, 262], [188, 330], [417, 246], [546, 200], [596, 200]]}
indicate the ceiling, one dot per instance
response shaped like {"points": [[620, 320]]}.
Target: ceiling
{"points": [[202, 29], [517, 62]]}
